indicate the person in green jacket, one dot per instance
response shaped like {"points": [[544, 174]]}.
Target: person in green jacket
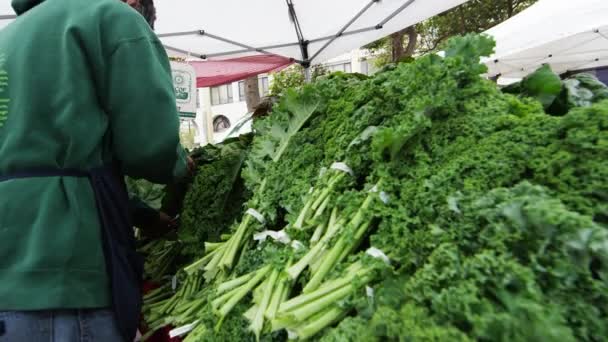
{"points": [[83, 83]]}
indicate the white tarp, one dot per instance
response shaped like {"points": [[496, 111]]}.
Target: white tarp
{"points": [[267, 25], [568, 35]]}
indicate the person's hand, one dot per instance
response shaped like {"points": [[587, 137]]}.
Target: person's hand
{"points": [[166, 221], [191, 166], [162, 226]]}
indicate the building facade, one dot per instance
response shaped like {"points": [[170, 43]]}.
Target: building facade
{"points": [[221, 107]]}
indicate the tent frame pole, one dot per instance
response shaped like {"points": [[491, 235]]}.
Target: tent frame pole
{"points": [[344, 28], [302, 42]]}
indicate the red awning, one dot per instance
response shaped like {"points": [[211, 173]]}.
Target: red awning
{"points": [[218, 72]]}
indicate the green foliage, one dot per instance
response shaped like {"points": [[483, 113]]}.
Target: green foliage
{"points": [[216, 197], [581, 90], [543, 85], [292, 77], [149, 193], [557, 96], [475, 16], [494, 214]]}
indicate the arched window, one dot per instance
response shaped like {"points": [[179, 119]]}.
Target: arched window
{"points": [[220, 123]]}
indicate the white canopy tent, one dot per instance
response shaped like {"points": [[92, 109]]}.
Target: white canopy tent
{"points": [[308, 31], [568, 35]]}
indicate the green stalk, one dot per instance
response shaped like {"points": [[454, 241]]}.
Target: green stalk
{"points": [[234, 283], [356, 270], [211, 246], [195, 306], [333, 217], [303, 215], [196, 334], [321, 209], [327, 264], [316, 236], [153, 294], [327, 191], [242, 292], [217, 302], [202, 262], [258, 323], [277, 298], [314, 266], [235, 243], [320, 322], [356, 241], [295, 270], [165, 308], [236, 289], [258, 293], [334, 256], [305, 311], [211, 269], [251, 312], [225, 237], [244, 248], [319, 200]]}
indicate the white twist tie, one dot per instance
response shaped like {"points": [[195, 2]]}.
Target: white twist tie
{"points": [[279, 236], [174, 283], [297, 245], [378, 254], [256, 214], [342, 167], [370, 292], [182, 330], [384, 197]]}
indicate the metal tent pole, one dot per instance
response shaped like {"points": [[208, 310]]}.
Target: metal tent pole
{"points": [[343, 29], [302, 42]]}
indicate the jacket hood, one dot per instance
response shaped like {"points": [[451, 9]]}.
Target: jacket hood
{"points": [[21, 6]]}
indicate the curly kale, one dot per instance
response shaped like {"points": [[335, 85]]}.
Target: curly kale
{"points": [[216, 196]]}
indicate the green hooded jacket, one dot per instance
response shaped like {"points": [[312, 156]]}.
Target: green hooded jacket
{"points": [[82, 83]]}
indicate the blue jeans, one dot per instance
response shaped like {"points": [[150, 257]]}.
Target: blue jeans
{"points": [[58, 326]]}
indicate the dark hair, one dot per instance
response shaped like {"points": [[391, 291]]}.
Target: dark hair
{"points": [[145, 8], [148, 11]]}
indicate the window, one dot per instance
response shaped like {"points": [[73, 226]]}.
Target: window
{"points": [[220, 124], [221, 95], [242, 91], [365, 67], [263, 84], [348, 68], [343, 67]]}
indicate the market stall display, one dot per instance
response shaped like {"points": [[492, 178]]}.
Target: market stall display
{"points": [[568, 35], [422, 203]]}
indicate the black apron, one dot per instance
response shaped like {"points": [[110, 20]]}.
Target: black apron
{"points": [[124, 265]]}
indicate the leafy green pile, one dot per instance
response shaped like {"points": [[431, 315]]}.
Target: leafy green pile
{"points": [[557, 96], [216, 196], [149, 193], [492, 213]]}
